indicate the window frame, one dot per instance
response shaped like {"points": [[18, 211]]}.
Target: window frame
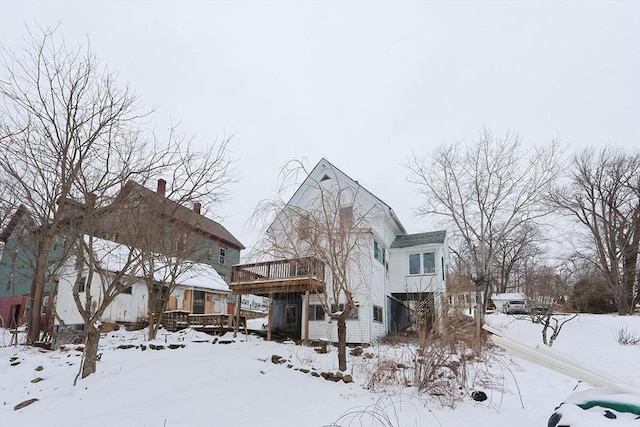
{"points": [[316, 313], [378, 314], [422, 264], [222, 256], [82, 285]]}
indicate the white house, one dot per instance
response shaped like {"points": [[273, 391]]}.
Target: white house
{"points": [[395, 277], [199, 289]]}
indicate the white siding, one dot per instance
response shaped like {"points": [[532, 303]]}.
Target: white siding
{"points": [[400, 279]]}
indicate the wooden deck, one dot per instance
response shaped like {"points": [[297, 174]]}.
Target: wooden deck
{"points": [[210, 323], [281, 276]]}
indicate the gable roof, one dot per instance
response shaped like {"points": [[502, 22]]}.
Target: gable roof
{"points": [[323, 161], [180, 213], [410, 240]]}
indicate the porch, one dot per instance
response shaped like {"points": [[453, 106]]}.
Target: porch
{"points": [[287, 281], [280, 276]]}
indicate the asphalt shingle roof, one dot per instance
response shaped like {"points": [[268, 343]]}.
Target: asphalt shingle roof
{"points": [[409, 240]]}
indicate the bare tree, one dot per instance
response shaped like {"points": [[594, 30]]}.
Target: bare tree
{"points": [[603, 196], [332, 226], [513, 253], [73, 142], [60, 115], [547, 290], [485, 191]]}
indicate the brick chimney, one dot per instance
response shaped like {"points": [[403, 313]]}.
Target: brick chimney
{"points": [[162, 186], [196, 207]]}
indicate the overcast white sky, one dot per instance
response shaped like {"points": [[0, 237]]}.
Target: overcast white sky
{"points": [[363, 84]]}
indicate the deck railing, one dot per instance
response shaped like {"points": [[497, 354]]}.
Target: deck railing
{"points": [[271, 271]]}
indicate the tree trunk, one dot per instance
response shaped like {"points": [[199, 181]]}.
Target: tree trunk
{"points": [[37, 291], [152, 327], [342, 344], [90, 350]]}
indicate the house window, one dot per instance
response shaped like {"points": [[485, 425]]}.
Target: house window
{"points": [[222, 256], [353, 315], [316, 312], [304, 227], [45, 303], [27, 307], [414, 264], [424, 263], [429, 262], [82, 283], [377, 313], [378, 252], [346, 216]]}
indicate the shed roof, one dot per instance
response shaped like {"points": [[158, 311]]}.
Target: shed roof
{"points": [[410, 240]]}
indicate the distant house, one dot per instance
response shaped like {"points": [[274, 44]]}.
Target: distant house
{"points": [[208, 243], [198, 290], [399, 276]]}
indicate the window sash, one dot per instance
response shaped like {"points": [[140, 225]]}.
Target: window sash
{"points": [[429, 262], [414, 264]]}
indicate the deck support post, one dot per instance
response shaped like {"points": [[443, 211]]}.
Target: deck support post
{"points": [[306, 317], [238, 309], [270, 316]]}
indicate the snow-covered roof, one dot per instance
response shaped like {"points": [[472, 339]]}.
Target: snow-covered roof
{"points": [[508, 296], [113, 257]]}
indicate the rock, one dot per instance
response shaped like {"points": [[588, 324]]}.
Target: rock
{"points": [[356, 351], [16, 363], [175, 346], [13, 359], [156, 347], [479, 396], [23, 404], [36, 380], [225, 341], [339, 375], [125, 346], [315, 374], [277, 359], [215, 340], [401, 366], [39, 368], [347, 379], [369, 355], [143, 347], [304, 371]]}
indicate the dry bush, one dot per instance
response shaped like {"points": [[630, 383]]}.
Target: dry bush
{"points": [[627, 337]]}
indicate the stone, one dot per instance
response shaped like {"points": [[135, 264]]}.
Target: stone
{"points": [[23, 404]]}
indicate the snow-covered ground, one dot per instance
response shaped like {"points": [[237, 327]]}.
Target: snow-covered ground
{"points": [[235, 383]]}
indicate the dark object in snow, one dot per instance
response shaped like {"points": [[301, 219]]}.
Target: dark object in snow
{"points": [[356, 351], [215, 340], [593, 406], [277, 359], [16, 363], [225, 341], [156, 347], [175, 346], [125, 346], [23, 404], [479, 396], [347, 379], [554, 419], [36, 380], [39, 368]]}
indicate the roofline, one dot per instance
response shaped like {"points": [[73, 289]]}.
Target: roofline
{"points": [[391, 212]]}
